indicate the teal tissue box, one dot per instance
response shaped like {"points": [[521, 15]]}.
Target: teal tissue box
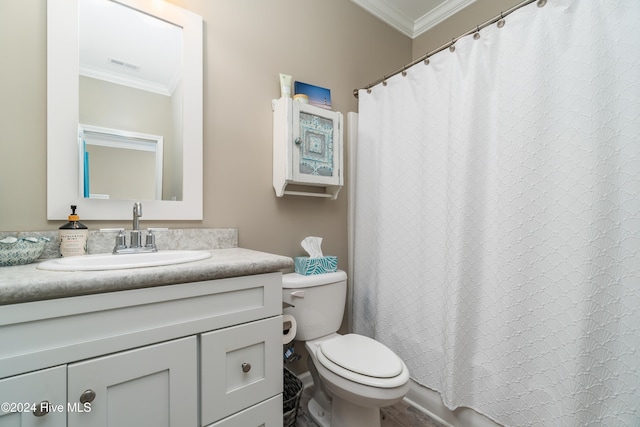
{"points": [[308, 266]]}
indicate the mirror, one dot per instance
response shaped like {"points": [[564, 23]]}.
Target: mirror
{"points": [[133, 107], [130, 81]]}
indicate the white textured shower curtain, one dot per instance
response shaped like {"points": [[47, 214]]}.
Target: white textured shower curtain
{"points": [[497, 217]]}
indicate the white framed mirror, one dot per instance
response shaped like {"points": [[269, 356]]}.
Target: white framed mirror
{"points": [[68, 96]]}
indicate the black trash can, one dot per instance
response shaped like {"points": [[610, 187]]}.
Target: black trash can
{"points": [[291, 398]]}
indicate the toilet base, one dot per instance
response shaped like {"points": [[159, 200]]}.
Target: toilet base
{"points": [[346, 414], [321, 416], [343, 414]]}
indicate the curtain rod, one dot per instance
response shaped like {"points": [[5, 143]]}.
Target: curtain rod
{"points": [[498, 18]]}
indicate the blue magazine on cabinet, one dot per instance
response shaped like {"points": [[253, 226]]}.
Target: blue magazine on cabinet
{"points": [[318, 96]]}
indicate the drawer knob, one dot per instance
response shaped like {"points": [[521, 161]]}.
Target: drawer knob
{"points": [[246, 367], [87, 396], [42, 409]]}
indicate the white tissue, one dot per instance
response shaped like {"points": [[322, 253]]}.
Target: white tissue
{"points": [[312, 245]]}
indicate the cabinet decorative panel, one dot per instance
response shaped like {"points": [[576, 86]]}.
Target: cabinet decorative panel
{"points": [[316, 145]]}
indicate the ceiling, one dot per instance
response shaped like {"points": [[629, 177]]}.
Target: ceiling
{"points": [[125, 46], [413, 17]]}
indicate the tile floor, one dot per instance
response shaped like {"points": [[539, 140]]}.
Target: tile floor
{"points": [[398, 415]]}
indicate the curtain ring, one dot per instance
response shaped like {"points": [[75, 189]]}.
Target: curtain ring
{"points": [[476, 35], [369, 90], [384, 80], [404, 71], [452, 47], [426, 59], [501, 21], [541, 3]]}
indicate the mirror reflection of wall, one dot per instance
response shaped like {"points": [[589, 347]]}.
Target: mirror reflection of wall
{"points": [[122, 185], [131, 80], [120, 165]]}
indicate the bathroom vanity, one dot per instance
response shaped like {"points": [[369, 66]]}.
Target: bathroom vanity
{"points": [[196, 344]]}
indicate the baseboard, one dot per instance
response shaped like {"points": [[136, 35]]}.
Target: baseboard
{"points": [[429, 402]]}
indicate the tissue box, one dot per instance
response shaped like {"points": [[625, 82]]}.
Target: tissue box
{"points": [[308, 266]]}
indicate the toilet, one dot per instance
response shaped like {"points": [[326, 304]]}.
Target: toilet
{"points": [[353, 375]]}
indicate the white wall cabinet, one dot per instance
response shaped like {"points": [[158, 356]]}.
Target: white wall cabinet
{"points": [[134, 357], [307, 149]]}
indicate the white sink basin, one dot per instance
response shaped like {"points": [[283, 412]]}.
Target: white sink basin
{"points": [[122, 261]]}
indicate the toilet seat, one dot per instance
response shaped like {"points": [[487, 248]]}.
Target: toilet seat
{"points": [[362, 360]]}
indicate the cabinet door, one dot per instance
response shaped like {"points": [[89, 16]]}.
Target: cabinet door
{"points": [[46, 389], [264, 414], [149, 386], [240, 366], [317, 137]]}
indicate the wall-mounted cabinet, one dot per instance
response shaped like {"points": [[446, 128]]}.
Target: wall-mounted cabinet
{"points": [[307, 149]]}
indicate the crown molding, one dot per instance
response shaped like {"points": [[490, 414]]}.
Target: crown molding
{"points": [[412, 27], [382, 10], [439, 14]]}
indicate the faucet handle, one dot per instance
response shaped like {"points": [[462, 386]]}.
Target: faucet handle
{"points": [[121, 241], [151, 240]]}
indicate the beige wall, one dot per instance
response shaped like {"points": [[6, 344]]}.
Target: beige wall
{"points": [[105, 177], [330, 43], [138, 111]]}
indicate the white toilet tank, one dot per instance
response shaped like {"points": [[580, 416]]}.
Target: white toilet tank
{"points": [[318, 302]]}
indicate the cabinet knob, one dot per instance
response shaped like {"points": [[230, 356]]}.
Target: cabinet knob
{"points": [[87, 396], [42, 409], [246, 367], [298, 141]]}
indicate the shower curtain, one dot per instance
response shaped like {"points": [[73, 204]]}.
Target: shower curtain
{"points": [[497, 217]]}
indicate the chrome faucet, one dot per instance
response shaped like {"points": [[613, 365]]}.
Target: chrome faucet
{"points": [[136, 237]]}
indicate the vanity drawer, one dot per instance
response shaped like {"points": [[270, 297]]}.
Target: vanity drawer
{"points": [[240, 366], [264, 414]]}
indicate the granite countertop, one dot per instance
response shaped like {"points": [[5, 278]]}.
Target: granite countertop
{"points": [[25, 283]]}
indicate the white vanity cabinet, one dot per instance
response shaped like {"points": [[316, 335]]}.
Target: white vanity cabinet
{"points": [[40, 388], [194, 354], [307, 149], [264, 414], [240, 365], [150, 386], [154, 385]]}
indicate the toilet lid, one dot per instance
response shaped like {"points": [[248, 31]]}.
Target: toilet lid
{"points": [[362, 355]]}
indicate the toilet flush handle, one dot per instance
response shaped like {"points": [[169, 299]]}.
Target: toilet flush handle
{"points": [[299, 294]]}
